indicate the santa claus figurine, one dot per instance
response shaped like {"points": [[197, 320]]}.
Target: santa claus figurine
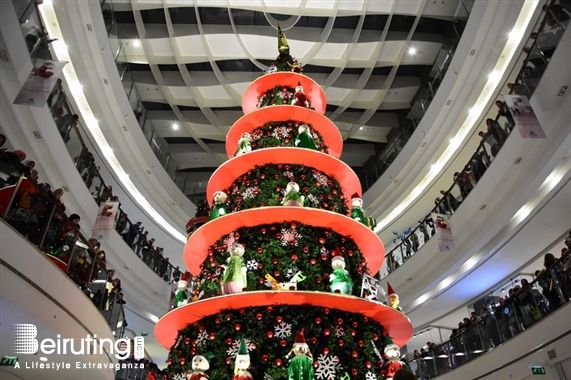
{"points": [[393, 364], [199, 367], [181, 297], [219, 206], [242, 363], [393, 299], [299, 98]]}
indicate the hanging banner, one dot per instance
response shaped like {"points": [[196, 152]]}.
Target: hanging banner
{"points": [[524, 117], [105, 220], [40, 83], [443, 233]]}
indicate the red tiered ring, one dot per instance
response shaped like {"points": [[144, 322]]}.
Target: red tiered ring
{"points": [[397, 325], [237, 166], [311, 89], [247, 123], [196, 248]]}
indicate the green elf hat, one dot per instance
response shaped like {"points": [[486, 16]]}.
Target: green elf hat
{"points": [[243, 351]]}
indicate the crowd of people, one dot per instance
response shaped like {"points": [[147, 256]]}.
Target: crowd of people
{"points": [[503, 318]]}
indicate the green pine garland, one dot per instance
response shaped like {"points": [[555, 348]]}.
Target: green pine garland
{"points": [[264, 186], [283, 133], [257, 324], [264, 245]]}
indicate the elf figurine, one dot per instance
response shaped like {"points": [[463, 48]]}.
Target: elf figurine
{"points": [[340, 280], [234, 279], [393, 299], [358, 214], [299, 98], [392, 352], [181, 297], [242, 363], [304, 139], [219, 208], [272, 69], [199, 366], [292, 197], [244, 144], [301, 366]]}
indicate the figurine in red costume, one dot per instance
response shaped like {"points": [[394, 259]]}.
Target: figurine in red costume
{"points": [[242, 363], [299, 98], [392, 352], [199, 367]]}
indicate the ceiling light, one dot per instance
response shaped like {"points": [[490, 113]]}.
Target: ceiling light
{"points": [[412, 51], [360, 128], [136, 43], [175, 126]]}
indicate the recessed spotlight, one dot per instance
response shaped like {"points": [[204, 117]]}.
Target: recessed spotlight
{"points": [[136, 43], [175, 126], [43, 359], [411, 51], [360, 128]]}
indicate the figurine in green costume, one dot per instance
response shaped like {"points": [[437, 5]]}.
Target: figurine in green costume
{"points": [[304, 139], [340, 280], [244, 144], [180, 297], [358, 214], [292, 197], [234, 279], [301, 366], [219, 207]]}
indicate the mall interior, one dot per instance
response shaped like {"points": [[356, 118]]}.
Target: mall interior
{"points": [[141, 116]]}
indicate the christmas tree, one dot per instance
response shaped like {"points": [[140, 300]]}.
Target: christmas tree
{"points": [[281, 271]]}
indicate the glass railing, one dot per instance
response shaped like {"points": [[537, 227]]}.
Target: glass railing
{"points": [[68, 126], [497, 131], [37, 214], [500, 319]]}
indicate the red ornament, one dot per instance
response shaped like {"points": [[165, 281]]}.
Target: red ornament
{"points": [[326, 310], [342, 240], [341, 342], [294, 257], [354, 354], [277, 274], [279, 362], [193, 351], [228, 361], [263, 176], [259, 316], [275, 261], [339, 321], [302, 176], [321, 241], [260, 266], [179, 352], [263, 231], [286, 167], [270, 309], [313, 340], [325, 351], [260, 250], [270, 334], [318, 280], [375, 337], [242, 310], [313, 261], [212, 336], [305, 250], [361, 343], [354, 371], [350, 253], [201, 328], [293, 225], [355, 324], [369, 365], [326, 331], [183, 361], [265, 357], [262, 281], [237, 327], [317, 320], [186, 340], [229, 341], [353, 332], [283, 343], [169, 361], [323, 258], [228, 318], [279, 319], [315, 364]]}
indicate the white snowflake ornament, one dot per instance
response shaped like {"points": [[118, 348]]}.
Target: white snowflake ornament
{"points": [[250, 192], [283, 330], [321, 178], [328, 366], [202, 338], [339, 331], [290, 237], [252, 265], [370, 376], [291, 272]]}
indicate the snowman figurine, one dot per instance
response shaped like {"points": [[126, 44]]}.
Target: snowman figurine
{"points": [[199, 367], [304, 139], [340, 280], [244, 144], [242, 363], [299, 98], [234, 279], [219, 207], [292, 197], [392, 352], [180, 296]]}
